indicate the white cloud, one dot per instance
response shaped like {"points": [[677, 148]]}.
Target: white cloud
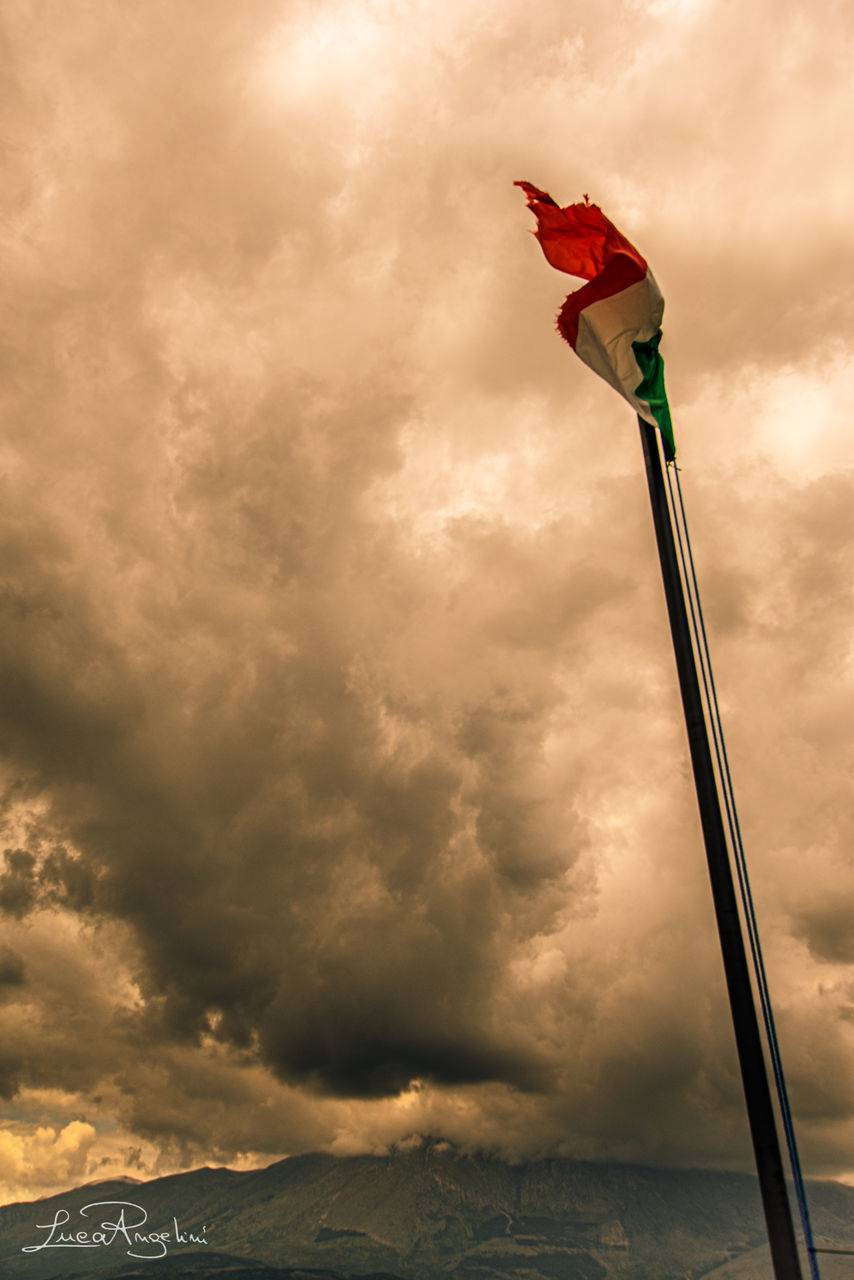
{"points": [[44, 1160]]}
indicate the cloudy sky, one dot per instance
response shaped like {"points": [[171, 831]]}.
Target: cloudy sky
{"points": [[344, 786]]}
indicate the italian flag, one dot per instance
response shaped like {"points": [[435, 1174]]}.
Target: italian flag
{"points": [[614, 321]]}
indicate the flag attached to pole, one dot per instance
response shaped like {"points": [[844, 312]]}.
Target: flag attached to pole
{"points": [[613, 323]]}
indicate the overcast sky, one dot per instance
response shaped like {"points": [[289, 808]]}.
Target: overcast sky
{"points": [[345, 789]]}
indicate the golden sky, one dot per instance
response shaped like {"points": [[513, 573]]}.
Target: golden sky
{"points": [[345, 788]]}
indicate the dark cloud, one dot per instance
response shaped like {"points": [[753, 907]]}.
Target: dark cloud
{"points": [[17, 887], [344, 786], [13, 972], [827, 929]]}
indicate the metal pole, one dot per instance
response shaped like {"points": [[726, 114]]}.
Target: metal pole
{"points": [[760, 1113]]}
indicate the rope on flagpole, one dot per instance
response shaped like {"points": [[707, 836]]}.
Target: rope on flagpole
{"points": [[698, 628]]}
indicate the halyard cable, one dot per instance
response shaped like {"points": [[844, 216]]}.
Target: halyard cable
{"points": [[683, 539], [701, 641], [744, 885]]}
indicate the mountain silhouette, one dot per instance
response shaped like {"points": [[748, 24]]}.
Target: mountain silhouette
{"points": [[417, 1214]]}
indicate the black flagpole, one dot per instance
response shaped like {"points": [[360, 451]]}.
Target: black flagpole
{"points": [[763, 1129]]}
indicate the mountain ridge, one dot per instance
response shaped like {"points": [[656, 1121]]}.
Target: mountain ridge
{"points": [[420, 1214]]}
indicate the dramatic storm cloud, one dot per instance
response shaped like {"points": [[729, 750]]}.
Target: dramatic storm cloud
{"points": [[344, 786]]}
